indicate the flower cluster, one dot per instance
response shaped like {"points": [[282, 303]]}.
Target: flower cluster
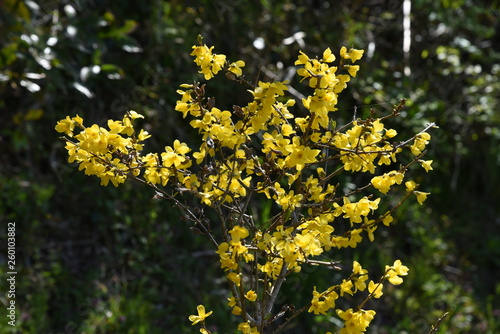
{"points": [[110, 154], [263, 151]]}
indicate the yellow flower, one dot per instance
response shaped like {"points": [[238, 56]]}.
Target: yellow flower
{"points": [[235, 278], [209, 63], [391, 133], [300, 155], [410, 185], [244, 327], [287, 130], [421, 140], [375, 289], [68, 124], [251, 296], [201, 315], [133, 114], [387, 220], [316, 303], [421, 196], [328, 57], [65, 125], [232, 301], [393, 272], [400, 269], [322, 302], [226, 259], [236, 67], [238, 233], [115, 126], [353, 54], [353, 69], [289, 201], [143, 135], [360, 276], [355, 322], [427, 165], [384, 182], [175, 156], [393, 277], [381, 183], [346, 287], [302, 59]]}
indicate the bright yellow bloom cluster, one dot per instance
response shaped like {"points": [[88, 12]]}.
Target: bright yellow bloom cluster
{"points": [[230, 252], [365, 143], [393, 273], [355, 321], [421, 140], [327, 83], [209, 63], [264, 149], [110, 154], [323, 302]]}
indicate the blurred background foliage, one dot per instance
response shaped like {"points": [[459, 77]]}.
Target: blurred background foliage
{"points": [[105, 260]]}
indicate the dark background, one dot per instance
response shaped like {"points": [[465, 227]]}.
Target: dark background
{"points": [[94, 259]]}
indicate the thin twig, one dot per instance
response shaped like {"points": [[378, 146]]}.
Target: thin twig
{"points": [[435, 327]]}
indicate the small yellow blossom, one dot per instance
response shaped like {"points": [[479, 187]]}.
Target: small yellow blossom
{"points": [[388, 219], [353, 69], [391, 133], [209, 63], [263, 147], [421, 140], [427, 165], [355, 321], [68, 124], [393, 273], [421, 197], [410, 185], [353, 54], [375, 289], [201, 315], [346, 287], [322, 302], [245, 328], [232, 301], [399, 268], [65, 125], [384, 182], [236, 67], [287, 130], [328, 56], [238, 233], [360, 275], [251, 296], [134, 114], [235, 278], [300, 155]]}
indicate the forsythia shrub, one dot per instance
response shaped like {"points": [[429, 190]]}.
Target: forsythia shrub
{"points": [[263, 149]]}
